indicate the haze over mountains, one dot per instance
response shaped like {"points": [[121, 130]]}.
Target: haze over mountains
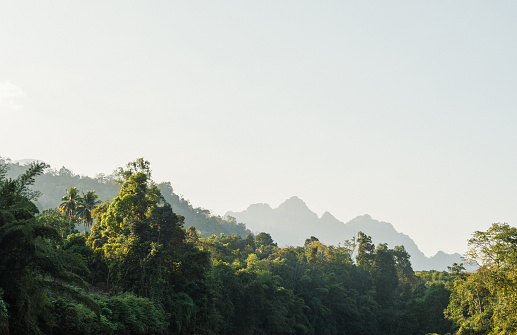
{"points": [[292, 222], [289, 224]]}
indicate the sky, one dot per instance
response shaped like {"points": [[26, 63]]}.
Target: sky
{"points": [[404, 110]]}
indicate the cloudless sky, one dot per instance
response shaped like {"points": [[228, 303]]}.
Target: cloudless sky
{"points": [[404, 110]]}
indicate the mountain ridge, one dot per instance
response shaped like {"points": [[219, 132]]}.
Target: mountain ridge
{"points": [[327, 228], [292, 222]]}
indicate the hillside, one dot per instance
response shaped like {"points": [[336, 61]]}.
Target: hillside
{"points": [[54, 183], [289, 224], [292, 222], [139, 271]]}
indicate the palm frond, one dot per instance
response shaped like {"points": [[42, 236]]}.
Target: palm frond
{"points": [[27, 179]]}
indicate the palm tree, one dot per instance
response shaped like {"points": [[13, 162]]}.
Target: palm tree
{"points": [[69, 204], [86, 204]]}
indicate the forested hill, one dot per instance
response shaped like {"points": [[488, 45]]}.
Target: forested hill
{"points": [[201, 218], [293, 221], [53, 185], [289, 224], [139, 271]]}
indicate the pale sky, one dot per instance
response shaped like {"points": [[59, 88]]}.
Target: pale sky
{"points": [[404, 110]]}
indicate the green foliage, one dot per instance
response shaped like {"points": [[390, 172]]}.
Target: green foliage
{"points": [[31, 268], [144, 248], [120, 314], [427, 309], [365, 251], [428, 278], [21, 246], [318, 289], [484, 301], [132, 168], [73, 318], [86, 204], [76, 254], [200, 218], [57, 220], [52, 183], [69, 204], [127, 312], [4, 314], [384, 275], [264, 239], [114, 234], [151, 276]]}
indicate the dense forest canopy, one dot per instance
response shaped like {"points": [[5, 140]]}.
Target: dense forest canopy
{"points": [[288, 218], [53, 183], [136, 269], [292, 221]]}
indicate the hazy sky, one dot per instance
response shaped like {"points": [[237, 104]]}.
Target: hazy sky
{"points": [[405, 110]]}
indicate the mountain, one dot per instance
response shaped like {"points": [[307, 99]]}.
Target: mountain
{"points": [[293, 222], [289, 224]]}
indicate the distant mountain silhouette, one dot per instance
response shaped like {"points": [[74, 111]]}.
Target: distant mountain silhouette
{"points": [[293, 222]]}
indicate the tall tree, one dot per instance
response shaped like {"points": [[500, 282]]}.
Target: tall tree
{"points": [[137, 166], [365, 251], [29, 264], [69, 204], [485, 300], [85, 205], [143, 244]]}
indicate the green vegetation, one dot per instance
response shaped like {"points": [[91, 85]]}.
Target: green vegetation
{"points": [[140, 271], [52, 185], [484, 302]]}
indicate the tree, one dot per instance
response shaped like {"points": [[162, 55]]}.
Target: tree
{"points": [[365, 251], [309, 240], [30, 267], [85, 206], [406, 276], [69, 204], [384, 275], [114, 234], [264, 239], [485, 300], [192, 234], [137, 166], [143, 245], [56, 219]]}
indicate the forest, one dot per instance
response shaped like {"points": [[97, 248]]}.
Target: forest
{"points": [[137, 266]]}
